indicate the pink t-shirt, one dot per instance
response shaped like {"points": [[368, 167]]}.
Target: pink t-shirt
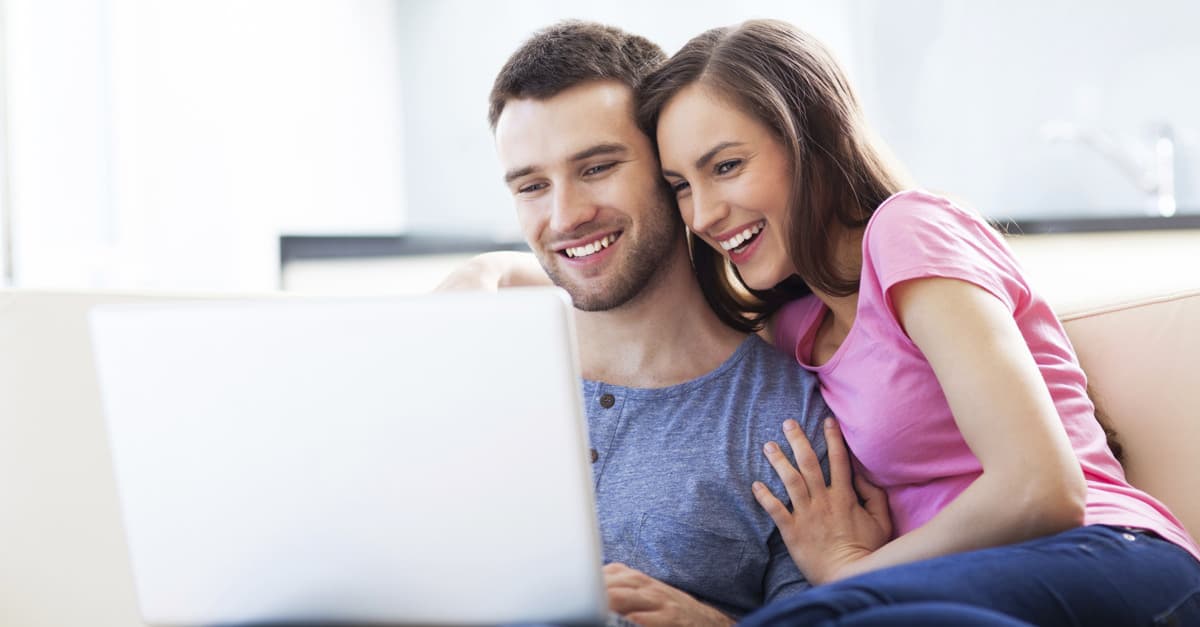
{"points": [[890, 405]]}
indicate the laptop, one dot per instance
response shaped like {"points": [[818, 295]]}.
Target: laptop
{"points": [[410, 460]]}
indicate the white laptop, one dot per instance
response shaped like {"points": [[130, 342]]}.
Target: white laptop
{"points": [[416, 460]]}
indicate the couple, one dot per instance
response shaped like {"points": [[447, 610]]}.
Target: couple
{"points": [[953, 383]]}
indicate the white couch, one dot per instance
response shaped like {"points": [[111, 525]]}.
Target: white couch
{"points": [[1131, 303]]}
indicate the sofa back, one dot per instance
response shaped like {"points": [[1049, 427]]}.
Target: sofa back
{"points": [[63, 557], [1130, 302], [1142, 360]]}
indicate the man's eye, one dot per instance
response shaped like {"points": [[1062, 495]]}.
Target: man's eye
{"points": [[679, 187], [725, 167], [532, 187], [597, 169]]}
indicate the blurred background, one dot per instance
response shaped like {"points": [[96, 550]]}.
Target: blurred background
{"points": [[341, 146]]}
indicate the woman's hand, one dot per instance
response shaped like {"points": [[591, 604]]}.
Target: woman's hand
{"points": [[827, 530]]}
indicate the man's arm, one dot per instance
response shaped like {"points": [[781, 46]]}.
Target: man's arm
{"points": [[495, 270], [649, 602]]}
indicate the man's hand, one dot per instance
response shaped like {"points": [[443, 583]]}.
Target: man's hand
{"points": [[476, 274], [495, 270], [650, 602], [827, 531]]}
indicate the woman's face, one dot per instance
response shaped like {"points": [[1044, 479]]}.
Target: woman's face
{"points": [[731, 177]]}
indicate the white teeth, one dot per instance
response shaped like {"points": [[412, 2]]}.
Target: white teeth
{"points": [[740, 238], [592, 248]]}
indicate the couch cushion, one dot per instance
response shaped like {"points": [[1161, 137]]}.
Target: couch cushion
{"points": [[63, 557], [1142, 360]]}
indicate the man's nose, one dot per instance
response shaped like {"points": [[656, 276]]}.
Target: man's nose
{"points": [[571, 209]]}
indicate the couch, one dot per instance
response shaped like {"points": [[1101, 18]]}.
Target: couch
{"points": [[1130, 302]]}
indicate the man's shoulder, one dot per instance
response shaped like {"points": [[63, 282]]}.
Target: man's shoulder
{"points": [[779, 388]]}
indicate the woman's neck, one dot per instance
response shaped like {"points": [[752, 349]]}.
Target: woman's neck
{"points": [[833, 328]]}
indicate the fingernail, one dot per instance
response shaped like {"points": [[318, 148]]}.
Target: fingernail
{"points": [[790, 425], [756, 486], [830, 423], [771, 447]]}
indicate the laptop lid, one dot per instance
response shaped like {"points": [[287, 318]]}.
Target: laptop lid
{"points": [[407, 460]]}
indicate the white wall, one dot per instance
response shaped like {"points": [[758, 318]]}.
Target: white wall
{"points": [[453, 50], [961, 90], [169, 143], [6, 269], [57, 137]]}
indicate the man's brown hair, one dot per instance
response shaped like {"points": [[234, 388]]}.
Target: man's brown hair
{"points": [[570, 53]]}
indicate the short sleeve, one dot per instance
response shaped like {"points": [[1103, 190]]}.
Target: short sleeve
{"points": [[918, 235]]}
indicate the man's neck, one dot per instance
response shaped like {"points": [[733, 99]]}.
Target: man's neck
{"points": [[665, 335]]}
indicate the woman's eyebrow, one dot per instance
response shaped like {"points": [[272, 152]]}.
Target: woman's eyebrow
{"points": [[705, 158], [712, 152]]}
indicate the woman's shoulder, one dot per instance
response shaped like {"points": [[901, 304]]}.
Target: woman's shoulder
{"points": [[918, 205], [918, 234], [917, 215]]}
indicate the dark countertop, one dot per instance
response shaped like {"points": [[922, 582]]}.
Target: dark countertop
{"points": [[310, 247], [1022, 226]]}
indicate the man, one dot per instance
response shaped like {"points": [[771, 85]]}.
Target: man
{"points": [[679, 404]]}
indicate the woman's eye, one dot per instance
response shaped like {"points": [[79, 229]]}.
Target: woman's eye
{"points": [[532, 187], [597, 169], [679, 187], [725, 167]]}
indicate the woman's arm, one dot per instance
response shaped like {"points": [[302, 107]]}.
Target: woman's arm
{"points": [[1031, 484], [495, 270]]}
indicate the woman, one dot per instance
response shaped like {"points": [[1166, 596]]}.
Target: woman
{"points": [[954, 383]]}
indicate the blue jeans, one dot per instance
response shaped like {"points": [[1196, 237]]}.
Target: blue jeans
{"points": [[1094, 575]]}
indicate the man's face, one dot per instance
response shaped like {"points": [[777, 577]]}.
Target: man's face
{"points": [[588, 194]]}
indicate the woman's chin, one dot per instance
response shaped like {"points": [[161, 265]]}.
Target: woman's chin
{"points": [[759, 281]]}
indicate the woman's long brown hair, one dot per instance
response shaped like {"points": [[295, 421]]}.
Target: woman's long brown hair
{"points": [[791, 83], [788, 81]]}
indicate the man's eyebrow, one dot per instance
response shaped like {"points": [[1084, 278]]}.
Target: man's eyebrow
{"points": [[705, 158], [597, 150], [517, 173]]}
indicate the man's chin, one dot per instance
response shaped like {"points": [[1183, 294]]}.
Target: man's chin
{"points": [[612, 287], [589, 299], [595, 297]]}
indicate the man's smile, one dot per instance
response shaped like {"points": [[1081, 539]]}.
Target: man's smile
{"points": [[589, 248]]}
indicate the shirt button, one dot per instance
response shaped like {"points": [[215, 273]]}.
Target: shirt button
{"points": [[595, 456], [1126, 535], [607, 400]]}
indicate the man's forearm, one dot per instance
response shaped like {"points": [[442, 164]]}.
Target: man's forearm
{"points": [[495, 270]]}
